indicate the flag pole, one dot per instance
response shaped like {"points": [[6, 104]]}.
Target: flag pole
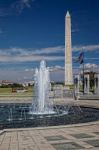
{"points": [[83, 72], [81, 61]]}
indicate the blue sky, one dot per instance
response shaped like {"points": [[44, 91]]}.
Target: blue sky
{"points": [[32, 30]]}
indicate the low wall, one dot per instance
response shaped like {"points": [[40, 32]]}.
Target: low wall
{"points": [[8, 99]]}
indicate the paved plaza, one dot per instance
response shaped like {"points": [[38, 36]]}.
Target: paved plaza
{"points": [[55, 138], [70, 137]]}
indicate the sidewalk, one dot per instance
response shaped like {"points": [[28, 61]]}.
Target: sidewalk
{"points": [[70, 137]]}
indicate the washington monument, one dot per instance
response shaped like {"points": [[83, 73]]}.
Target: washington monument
{"points": [[68, 51]]}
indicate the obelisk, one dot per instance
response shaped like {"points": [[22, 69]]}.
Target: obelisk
{"points": [[68, 51]]}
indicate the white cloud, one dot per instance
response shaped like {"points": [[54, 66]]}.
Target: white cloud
{"points": [[15, 75], [51, 69], [22, 76], [19, 5], [86, 47], [55, 68], [92, 58], [15, 54], [29, 69], [48, 50], [89, 65], [27, 3], [31, 51], [22, 55], [29, 58], [16, 7]]}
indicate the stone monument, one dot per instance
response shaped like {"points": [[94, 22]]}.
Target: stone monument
{"points": [[68, 51]]}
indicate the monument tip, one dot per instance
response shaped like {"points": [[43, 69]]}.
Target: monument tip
{"points": [[67, 14]]}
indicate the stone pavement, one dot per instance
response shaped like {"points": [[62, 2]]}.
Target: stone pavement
{"points": [[79, 137], [70, 137]]}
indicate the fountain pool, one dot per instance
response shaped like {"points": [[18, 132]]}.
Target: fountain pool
{"points": [[42, 111], [18, 116]]}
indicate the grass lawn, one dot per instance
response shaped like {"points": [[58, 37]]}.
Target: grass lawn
{"points": [[8, 92]]}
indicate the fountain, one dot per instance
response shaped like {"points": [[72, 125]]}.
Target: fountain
{"points": [[42, 111], [42, 104]]}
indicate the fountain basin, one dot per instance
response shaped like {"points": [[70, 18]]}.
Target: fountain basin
{"points": [[19, 116]]}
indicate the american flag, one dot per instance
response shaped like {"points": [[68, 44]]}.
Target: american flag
{"points": [[80, 59]]}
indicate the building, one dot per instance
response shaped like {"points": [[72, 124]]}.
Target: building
{"points": [[91, 82]]}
